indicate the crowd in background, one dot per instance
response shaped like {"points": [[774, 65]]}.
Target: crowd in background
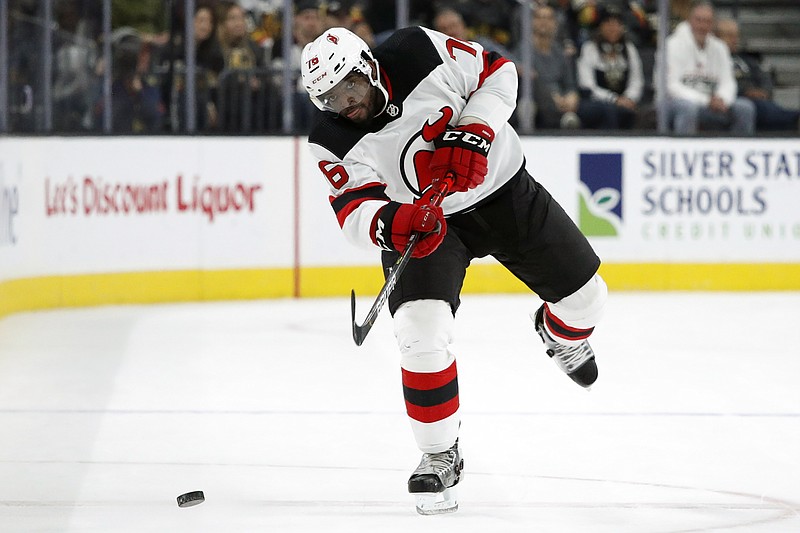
{"points": [[593, 62]]}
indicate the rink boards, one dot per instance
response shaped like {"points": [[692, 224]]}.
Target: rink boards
{"points": [[124, 220]]}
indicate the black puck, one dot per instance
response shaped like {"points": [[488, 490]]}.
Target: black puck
{"points": [[191, 498]]}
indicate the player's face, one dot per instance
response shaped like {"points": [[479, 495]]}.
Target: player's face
{"points": [[351, 98]]}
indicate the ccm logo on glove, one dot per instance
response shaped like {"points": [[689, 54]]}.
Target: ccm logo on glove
{"points": [[460, 138], [462, 151]]}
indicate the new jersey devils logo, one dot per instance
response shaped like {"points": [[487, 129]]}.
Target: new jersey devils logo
{"points": [[415, 159]]}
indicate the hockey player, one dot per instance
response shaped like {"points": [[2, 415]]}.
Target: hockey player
{"points": [[423, 108]]}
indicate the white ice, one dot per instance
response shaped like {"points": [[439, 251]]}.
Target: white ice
{"points": [[108, 414]]}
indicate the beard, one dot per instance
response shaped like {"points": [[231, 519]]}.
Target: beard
{"points": [[366, 110]]}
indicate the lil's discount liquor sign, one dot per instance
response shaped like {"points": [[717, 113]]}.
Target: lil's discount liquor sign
{"points": [[98, 196]]}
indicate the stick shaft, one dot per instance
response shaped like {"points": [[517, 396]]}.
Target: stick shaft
{"points": [[360, 331]]}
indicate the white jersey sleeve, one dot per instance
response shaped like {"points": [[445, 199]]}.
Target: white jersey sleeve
{"points": [[357, 195], [486, 80]]}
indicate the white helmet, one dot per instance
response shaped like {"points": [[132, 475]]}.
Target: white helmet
{"points": [[332, 56]]}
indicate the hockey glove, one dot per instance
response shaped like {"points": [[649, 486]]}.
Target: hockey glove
{"points": [[463, 151], [396, 223]]}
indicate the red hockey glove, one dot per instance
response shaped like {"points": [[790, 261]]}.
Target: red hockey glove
{"points": [[396, 223], [462, 151]]}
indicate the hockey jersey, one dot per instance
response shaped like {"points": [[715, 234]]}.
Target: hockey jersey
{"points": [[432, 81]]}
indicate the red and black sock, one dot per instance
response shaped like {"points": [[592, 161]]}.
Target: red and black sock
{"points": [[561, 330], [431, 396]]}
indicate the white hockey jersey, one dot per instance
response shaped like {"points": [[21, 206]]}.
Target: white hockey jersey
{"points": [[432, 81]]}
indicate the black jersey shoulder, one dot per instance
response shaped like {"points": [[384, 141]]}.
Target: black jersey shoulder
{"points": [[405, 59], [335, 134]]}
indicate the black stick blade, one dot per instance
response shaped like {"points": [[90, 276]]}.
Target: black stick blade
{"points": [[358, 332]]}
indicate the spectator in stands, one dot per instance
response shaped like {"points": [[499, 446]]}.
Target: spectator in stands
{"points": [[151, 20], [701, 89], [25, 66], [239, 82], [74, 79], [382, 15], [208, 53], [209, 62], [755, 84], [238, 50], [555, 92], [678, 12], [350, 15], [364, 30], [267, 29], [136, 105], [308, 25], [489, 20], [569, 30], [631, 13], [610, 71], [337, 15], [450, 22]]}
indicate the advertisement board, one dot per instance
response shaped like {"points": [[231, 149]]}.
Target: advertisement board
{"points": [[120, 205], [682, 200], [82, 221]]}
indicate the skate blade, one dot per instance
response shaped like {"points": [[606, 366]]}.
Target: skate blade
{"points": [[430, 503]]}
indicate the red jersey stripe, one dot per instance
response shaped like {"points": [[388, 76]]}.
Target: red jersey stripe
{"points": [[349, 201], [491, 62]]}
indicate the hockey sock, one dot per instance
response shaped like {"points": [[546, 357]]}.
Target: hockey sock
{"points": [[562, 332], [431, 396]]}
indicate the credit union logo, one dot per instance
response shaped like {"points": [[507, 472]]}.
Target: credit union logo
{"points": [[600, 194]]}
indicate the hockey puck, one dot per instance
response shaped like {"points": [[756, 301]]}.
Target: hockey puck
{"points": [[191, 498]]}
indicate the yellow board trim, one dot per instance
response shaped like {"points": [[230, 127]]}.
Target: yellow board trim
{"points": [[143, 287], [48, 292], [493, 278], [702, 277]]}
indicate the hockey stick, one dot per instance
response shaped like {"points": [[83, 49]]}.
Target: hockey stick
{"points": [[360, 331]]}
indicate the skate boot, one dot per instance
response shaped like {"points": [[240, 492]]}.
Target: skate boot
{"points": [[433, 482], [576, 361]]}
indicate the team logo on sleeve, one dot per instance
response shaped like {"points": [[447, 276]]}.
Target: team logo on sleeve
{"points": [[415, 159]]}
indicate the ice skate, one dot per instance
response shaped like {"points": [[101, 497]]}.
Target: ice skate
{"points": [[576, 361], [433, 482]]}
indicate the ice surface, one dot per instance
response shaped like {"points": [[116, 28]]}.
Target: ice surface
{"points": [[108, 414]]}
